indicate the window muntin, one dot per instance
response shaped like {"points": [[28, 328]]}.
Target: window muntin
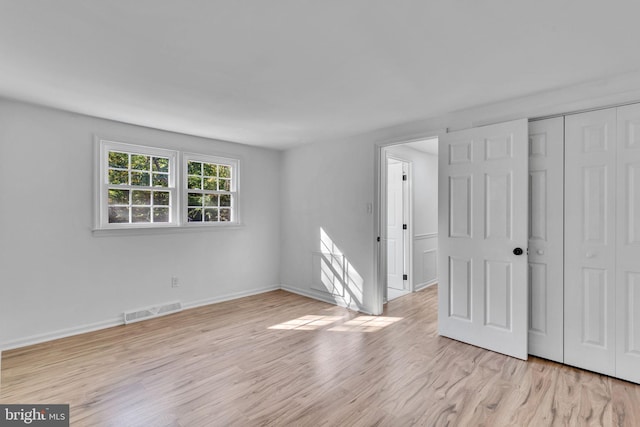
{"points": [[137, 186], [211, 189]]}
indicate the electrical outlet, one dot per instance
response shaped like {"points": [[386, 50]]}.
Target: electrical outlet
{"points": [[174, 282]]}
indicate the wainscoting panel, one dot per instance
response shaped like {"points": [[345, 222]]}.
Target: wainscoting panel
{"points": [[425, 260]]}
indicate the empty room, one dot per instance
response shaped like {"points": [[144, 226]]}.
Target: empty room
{"points": [[319, 213]]}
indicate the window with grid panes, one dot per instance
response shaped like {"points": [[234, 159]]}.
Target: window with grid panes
{"points": [[137, 186], [211, 189]]}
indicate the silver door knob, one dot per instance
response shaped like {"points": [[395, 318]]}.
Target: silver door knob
{"points": [[540, 252]]}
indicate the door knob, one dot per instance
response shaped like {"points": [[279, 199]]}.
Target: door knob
{"points": [[590, 254], [540, 252], [517, 251]]}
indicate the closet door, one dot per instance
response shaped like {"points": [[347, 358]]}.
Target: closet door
{"points": [[546, 212], [628, 245], [482, 261], [590, 200]]}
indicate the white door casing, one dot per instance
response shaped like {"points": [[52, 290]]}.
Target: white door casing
{"points": [[590, 240], [483, 217], [546, 229], [395, 220], [627, 290]]}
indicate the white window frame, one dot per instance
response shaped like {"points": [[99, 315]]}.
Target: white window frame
{"points": [[103, 184], [234, 164]]}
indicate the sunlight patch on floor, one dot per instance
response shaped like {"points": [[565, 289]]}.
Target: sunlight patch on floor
{"points": [[366, 324], [358, 324], [307, 323]]}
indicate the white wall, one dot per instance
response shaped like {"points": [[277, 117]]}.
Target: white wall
{"points": [[57, 277], [424, 184], [328, 186]]}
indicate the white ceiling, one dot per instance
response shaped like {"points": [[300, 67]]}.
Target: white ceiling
{"points": [[429, 146], [281, 73]]}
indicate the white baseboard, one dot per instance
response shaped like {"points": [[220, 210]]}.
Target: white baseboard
{"points": [[421, 286], [61, 333], [76, 330], [325, 297], [229, 297]]}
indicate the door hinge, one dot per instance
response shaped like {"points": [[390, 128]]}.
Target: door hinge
{"points": [[405, 277], [404, 226], [378, 239], [404, 177]]}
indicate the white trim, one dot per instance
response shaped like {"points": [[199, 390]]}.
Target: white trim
{"points": [[425, 236], [119, 321], [160, 230], [426, 285], [61, 333], [230, 297], [325, 297]]}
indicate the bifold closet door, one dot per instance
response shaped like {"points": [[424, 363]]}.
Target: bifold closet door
{"points": [[546, 212], [628, 245], [590, 241]]}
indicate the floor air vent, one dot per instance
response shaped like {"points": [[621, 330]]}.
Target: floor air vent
{"points": [[151, 312]]}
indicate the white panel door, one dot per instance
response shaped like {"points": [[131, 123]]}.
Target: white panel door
{"points": [[590, 200], [395, 220], [482, 199], [546, 213], [628, 245]]}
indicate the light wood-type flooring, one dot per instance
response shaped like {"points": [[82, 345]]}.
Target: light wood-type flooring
{"points": [[279, 359]]}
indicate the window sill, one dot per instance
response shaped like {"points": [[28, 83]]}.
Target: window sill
{"points": [[144, 231]]}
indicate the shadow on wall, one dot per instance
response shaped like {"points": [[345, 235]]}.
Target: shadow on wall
{"points": [[333, 273]]}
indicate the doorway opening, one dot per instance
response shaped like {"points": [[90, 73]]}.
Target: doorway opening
{"points": [[408, 213]]}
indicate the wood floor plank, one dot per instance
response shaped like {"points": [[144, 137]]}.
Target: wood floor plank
{"points": [[279, 359]]}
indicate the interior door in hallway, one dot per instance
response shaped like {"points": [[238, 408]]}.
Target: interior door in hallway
{"points": [[396, 228], [483, 222]]}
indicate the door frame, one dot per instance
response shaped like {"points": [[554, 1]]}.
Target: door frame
{"points": [[380, 217]]}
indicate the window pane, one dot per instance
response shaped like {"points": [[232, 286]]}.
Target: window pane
{"points": [[195, 199], [118, 197], [161, 198], [225, 214], [194, 214], [211, 200], [194, 183], [160, 180], [195, 168], [141, 198], [118, 215], [210, 184], [209, 169], [118, 177], [140, 162], [140, 214], [211, 214], [118, 160], [224, 171], [160, 214], [140, 178], [225, 200], [160, 164], [224, 184]]}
